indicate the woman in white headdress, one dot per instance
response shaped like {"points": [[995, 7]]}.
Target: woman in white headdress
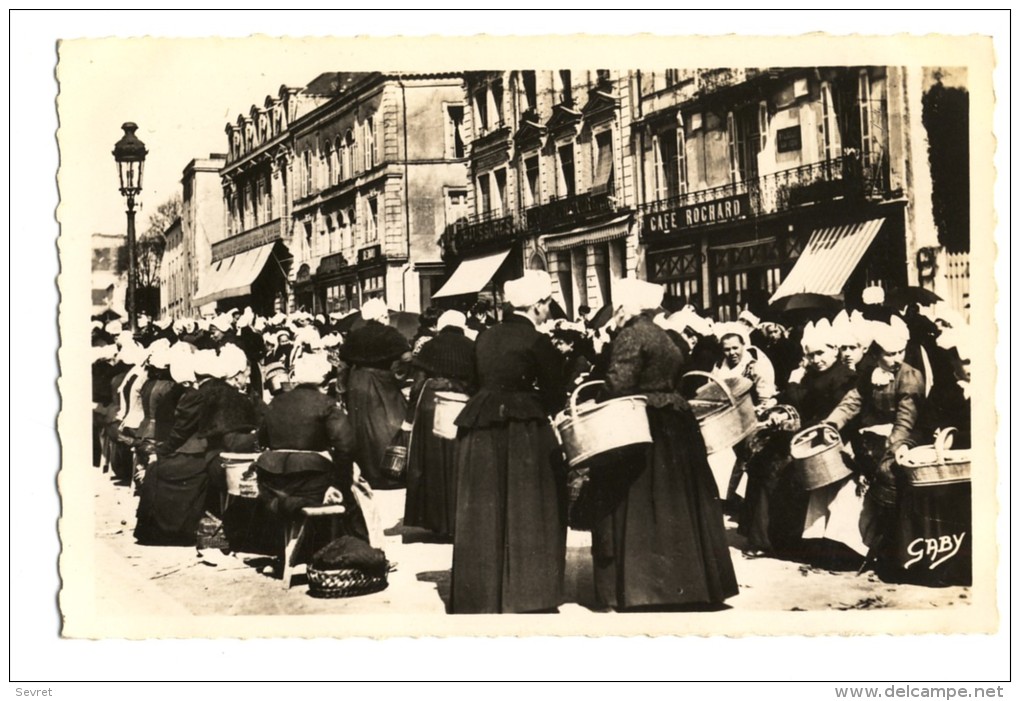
{"points": [[658, 538], [509, 549]]}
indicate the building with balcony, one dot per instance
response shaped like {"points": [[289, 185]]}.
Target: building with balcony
{"points": [[339, 192], [550, 186], [757, 183]]}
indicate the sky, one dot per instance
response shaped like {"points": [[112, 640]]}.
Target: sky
{"points": [[181, 100]]}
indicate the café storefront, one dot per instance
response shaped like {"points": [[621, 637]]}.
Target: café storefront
{"points": [[722, 251]]}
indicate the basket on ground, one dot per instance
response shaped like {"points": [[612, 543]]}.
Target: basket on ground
{"points": [[336, 584], [594, 428], [817, 458], [448, 408], [724, 422], [936, 463], [240, 473]]}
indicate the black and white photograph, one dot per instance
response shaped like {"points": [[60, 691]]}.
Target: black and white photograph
{"points": [[498, 336]]}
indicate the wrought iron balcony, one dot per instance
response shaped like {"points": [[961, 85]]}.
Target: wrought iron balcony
{"points": [[251, 238], [481, 230], [568, 211], [839, 178]]}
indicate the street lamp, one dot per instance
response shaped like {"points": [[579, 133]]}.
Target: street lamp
{"points": [[130, 153]]}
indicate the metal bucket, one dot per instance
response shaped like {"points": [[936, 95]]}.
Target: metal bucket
{"points": [[448, 408], [817, 458], [595, 428], [723, 423], [236, 467], [394, 462]]}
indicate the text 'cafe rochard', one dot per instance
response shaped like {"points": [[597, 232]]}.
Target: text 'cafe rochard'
{"points": [[670, 221]]}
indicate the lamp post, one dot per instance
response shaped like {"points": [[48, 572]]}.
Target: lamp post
{"points": [[130, 153]]}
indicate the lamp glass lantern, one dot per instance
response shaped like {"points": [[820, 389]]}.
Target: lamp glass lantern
{"points": [[130, 154]]}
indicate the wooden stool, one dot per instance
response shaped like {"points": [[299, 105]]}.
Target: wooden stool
{"points": [[294, 533]]}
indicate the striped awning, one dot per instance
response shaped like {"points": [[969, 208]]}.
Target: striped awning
{"points": [[232, 276], [607, 231], [828, 259]]}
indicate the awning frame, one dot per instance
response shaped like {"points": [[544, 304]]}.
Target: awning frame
{"points": [[472, 275]]}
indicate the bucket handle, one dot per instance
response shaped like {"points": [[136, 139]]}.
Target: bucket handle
{"points": [[943, 442], [831, 434], [573, 395], [722, 385]]}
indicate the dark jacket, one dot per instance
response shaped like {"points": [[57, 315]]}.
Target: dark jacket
{"points": [[519, 375], [817, 394], [229, 412], [303, 419], [450, 354], [644, 360]]}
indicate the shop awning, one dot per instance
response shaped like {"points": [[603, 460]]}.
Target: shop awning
{"points": [[233, 276], [600, 233], [828, 260], [472, 275]]}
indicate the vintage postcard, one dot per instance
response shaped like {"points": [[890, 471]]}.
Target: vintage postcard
{"points": [[570, 336]]}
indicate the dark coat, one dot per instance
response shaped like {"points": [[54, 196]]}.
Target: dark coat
{"points": [[373, 345], [303, 419], [509, 552], [231, 417], [449, 354], [817, 394], [658, 537]]}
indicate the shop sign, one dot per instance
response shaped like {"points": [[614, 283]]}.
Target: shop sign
{"points": [[788, 139], [718, 211], [369, 255]]}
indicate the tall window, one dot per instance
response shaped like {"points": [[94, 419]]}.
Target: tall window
{"points": [[349, 154], [603, 180], [830, 128], [532, 195], [456, 205], [566, 91], [330, 174], [681, 157], [567, 184], [864, 103], [734, 149], [499, 204], [307, 173], [482, 109], [372, 220], [672, 77], [763, 123], [484, 194], [369, 144], [352, 219], [496, 90], [666, 165], [338, 154], [455, 131], [530, 90]]}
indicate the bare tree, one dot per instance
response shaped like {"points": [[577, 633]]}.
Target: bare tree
{"points": [[149, 250]]}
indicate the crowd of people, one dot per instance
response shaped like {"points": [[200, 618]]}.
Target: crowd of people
{"points": [[325, 405]]}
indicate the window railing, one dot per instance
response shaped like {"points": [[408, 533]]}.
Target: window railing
{"points": [[567, 210], [844, 177], [483, 229]]}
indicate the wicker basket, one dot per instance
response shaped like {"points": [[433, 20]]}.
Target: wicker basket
{"points": [[598, 427], [946, 466], [726, 423], [337, 584], [817, 458]]}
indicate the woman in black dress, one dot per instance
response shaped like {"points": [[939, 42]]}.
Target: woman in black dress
{"points": [[445, 363], [658, 538], [509, 549]]}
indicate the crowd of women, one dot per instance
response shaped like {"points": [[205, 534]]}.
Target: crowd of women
{"points": [[323, 404]]}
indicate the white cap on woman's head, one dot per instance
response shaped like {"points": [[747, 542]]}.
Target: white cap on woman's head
{"points": [[311, 369], [891, 337], [233, 361], [182, 362], [374, 310], [451, 317], [733, 329], [749, 318], [207, 362], [533, 287], [159, 353], [873, 295], [637, 295]]}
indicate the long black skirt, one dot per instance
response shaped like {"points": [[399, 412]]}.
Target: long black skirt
{"points": [[509, 551], [377, 409], [431, 501], [172, 500], [661, 540]]}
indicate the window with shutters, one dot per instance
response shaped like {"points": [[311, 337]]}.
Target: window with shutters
{"points": [[681, 157], [455, 131], [308, 173], [330, 173], [566, 91], [666, 166], [734, 148], [369, 143], [496, 92], [567, 185], [830, 128], [603, 181], [864, 105], [349, 154], [763, 125], [482, 110]]}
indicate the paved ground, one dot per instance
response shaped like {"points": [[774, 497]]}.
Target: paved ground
{"points": [[178, 580]]}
